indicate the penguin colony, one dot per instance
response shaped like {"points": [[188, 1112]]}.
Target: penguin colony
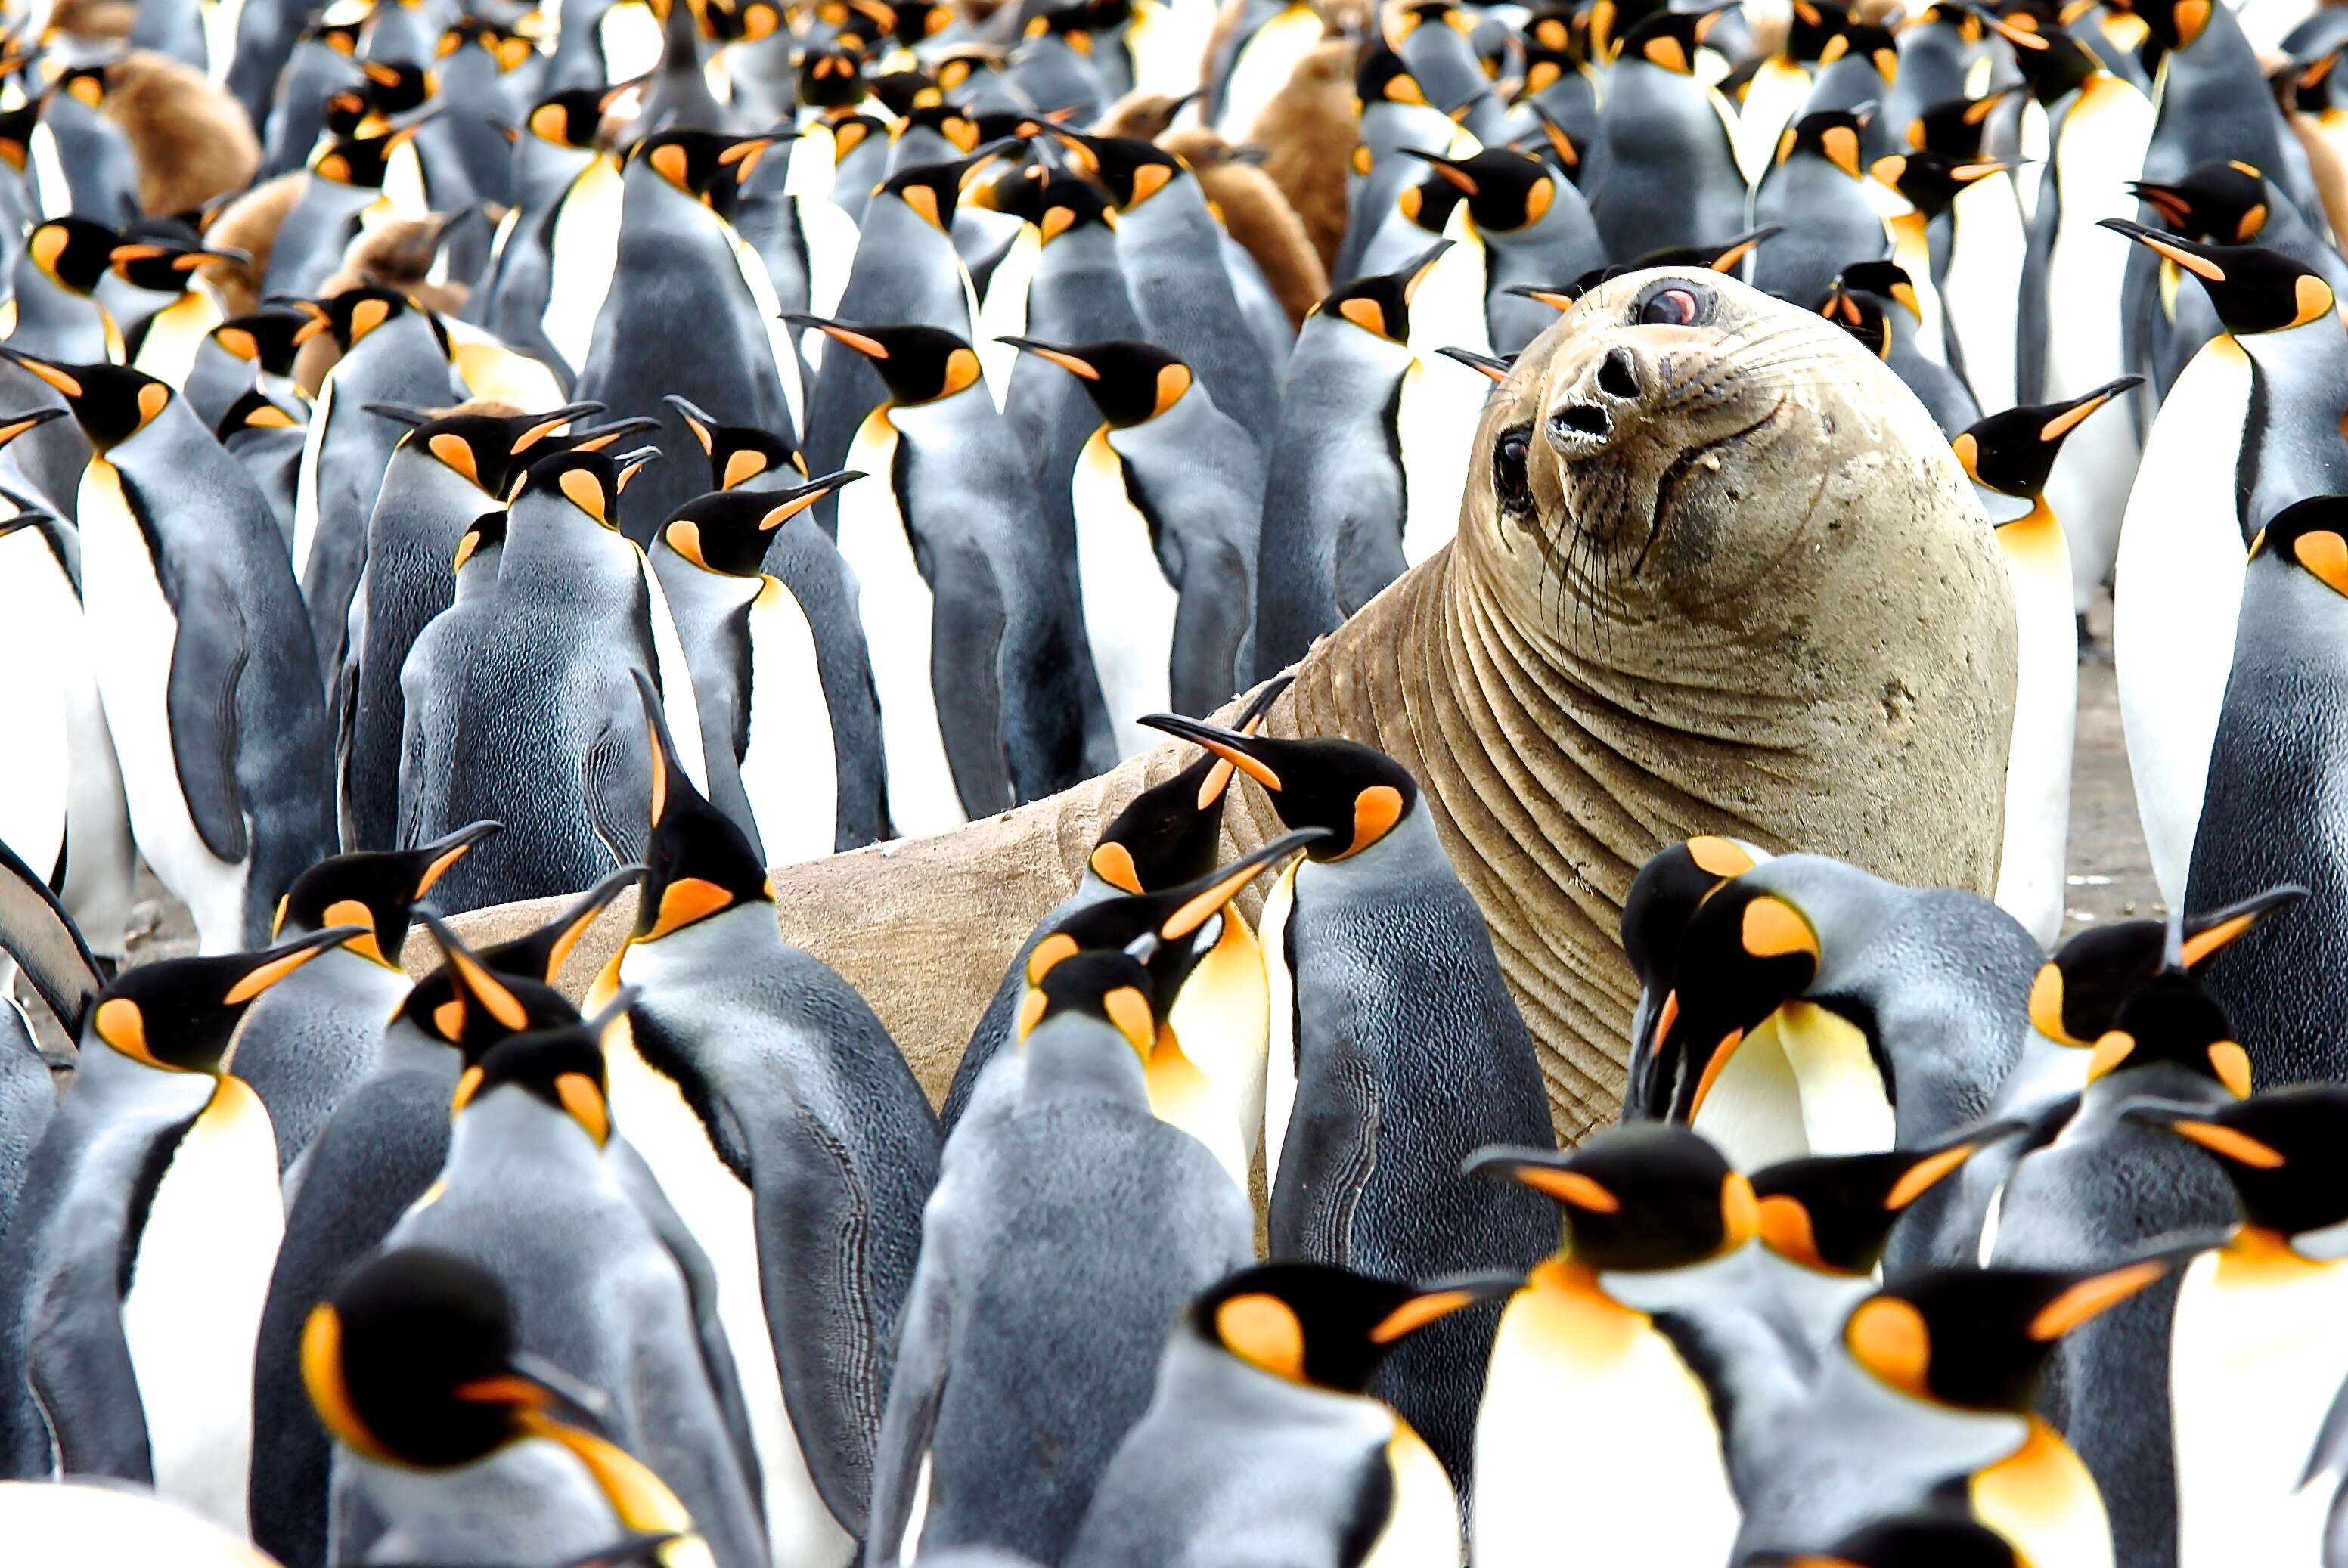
{"points": [[456, 456]]}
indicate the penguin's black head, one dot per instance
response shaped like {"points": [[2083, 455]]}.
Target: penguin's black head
{"points": [[568, 118], [1978, 1337], [1863, 312], [113, 402], [590, 481], [412, 1361], [955, 124], [347, 113], [698, 862], [744, 24], [1430, 203], [1871, 42], [85, 84], [2013, 453], [917, 363], [1834, 1213], [917, 20], [1612, 21], [1356, 793], [851, 132], [1130, 170], [560, 1068], [2312, 535], [1110, 986], [180, 1014], [1503, 189], [1380, 305], [476, 1001], [1316, 1323], [1813, 28], [1668, 39], [359, 161], [15, 133], [1665, 895], [1061, 203], [2174, 23], [2286, 1153], [2219, 200], [163, 269], [72, 253], [268, 338], [375, 890], [1167, 929], [1545, 63], [2055, 63], [352, 314], [1130, 383], [1169, 832], [396, 88], [931, 190], [738, 454], [701, 163], [2255, 289], [474, 32], [1743, 955], [487, 532], [2171, 1022], [1953, 126], [2307, 87], [2077, 998], [1932, 181], [832, 77], [1384, 78], [1832, 135], [1072, 24], [1951, 1540], [484, 448], [1637, 1198], [341, 38], [728, 530]]}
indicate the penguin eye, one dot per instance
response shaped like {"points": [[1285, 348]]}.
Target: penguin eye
{"points": [[1674, 305], [1510, 482]]}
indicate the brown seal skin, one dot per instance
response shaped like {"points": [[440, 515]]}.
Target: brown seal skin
{"points": [[1751, 593]]}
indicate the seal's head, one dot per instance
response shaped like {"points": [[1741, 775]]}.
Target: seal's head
{"points": [[1666, 443]]}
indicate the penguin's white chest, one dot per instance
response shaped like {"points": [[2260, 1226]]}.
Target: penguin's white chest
{"points": [[131, 631], [40, 642], [1639, 1414], [1004, 312], [1264, 64], [1435, 425], [1220, 1018], [678, 703], [1128, 604], [1280, 1019], [1422, 1527], [305, 476], [790, 768], [174, 333], [1985, 259], [1802, 1082], [2257, 1355], [716, 1206], [2046, 690], [898, 611], [193, 1309], [581, 254]]}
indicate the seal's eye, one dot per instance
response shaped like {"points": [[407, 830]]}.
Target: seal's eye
{"points": [[1510, 483], [1674, 305]]}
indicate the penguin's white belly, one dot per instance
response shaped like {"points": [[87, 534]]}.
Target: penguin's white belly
{"points": [[679, 702], [582, 252], [1168, 40], [831, 238], [716, 1207], [1776, 95], [629, 36], [220, 38], [1280, 1019], [2174, 600], [40, 631], [1422, 1528], [305, 478], [1004, 312], [193, 1309], [768, 306], [899, 613], [491, 369], [790, 768], [1442, 401], [2257, 1355], [51, 189], [1754, 1108], [1220, 1019], [1263, 65], [1128, 604], [129, 631], [1639, 1414], [174, 333], [2045, 701], [1845, 1107], [1979, 290]]}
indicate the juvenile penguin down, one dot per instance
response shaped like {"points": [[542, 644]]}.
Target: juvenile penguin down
{"points": [[1717, 572]]}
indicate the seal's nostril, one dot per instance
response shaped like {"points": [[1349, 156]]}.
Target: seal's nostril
{"points": [[1581, 419], [1617, 377]]}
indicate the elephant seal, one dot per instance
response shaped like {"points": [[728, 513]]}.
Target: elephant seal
{"points": [[1717, 572]]}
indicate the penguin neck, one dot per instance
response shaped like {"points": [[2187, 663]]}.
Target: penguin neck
{"points": [[1195, 1376], [739, 935], [1946, 1438], [510, 1136], [477, 578], [408, 1049], [122, 1091], [1083, 1057]]}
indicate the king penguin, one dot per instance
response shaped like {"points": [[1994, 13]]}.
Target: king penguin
{"points": [[986, 1442], [147, 1226], [765, 728], [268, 439], [1672, 172], [1818, 187], [2008, 457], [203, 657], [1262, 1434], [1166, 537], [1395, 1051], [772, 1106], [2278, 376]]}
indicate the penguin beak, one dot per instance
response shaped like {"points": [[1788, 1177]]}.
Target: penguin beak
{"points": [[799, 498], [1555, 298], [1224, 885], [2214, 932], [1438, 1299], [534, 1383], [1496, 370], [443, 853], [2176, 248], [870, 347], [1546, 1171], [1234, 748], [274, 964], [2070, 415], [56, 376], [2175, 206], [1070, 362], [548, 948], [2196, 1124], [603, 436], [17, 424]]}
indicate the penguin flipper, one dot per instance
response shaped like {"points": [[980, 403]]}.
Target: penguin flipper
{"points": [[1210, 620], [41, 936], [924, 1352], [965, 650], [1325, 1161], [77, 1364], [207, 659], [615, 780]]}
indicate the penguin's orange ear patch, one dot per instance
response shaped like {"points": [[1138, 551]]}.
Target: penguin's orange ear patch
{"points": [[1263, 1329], [1771, 930], [2324, 555], [1888, 1338]]}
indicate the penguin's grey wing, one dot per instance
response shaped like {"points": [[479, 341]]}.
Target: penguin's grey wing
{"points": [[1211, 619], [47, 947], [924, 1353], [1333, 1134], [615, 780], [77, 1361], [965, 652], [643, 1189], [207, 658], [2032, 324]]}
